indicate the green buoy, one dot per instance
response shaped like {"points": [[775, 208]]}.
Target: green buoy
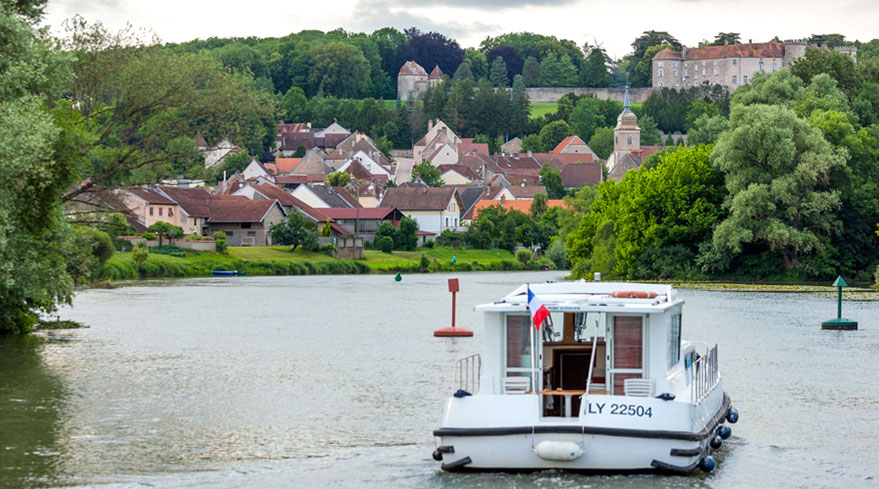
{"points": [[398, 277], [840, 322]]}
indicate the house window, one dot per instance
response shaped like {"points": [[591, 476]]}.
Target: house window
{"points": [[251, 233], [715, 63], [761, 66], [245, 225], [160, 211], [660, 63], [151, 211], [734, 80], [686, 72], [745, 79], [170, 212], [660, 72], [716, 71], [456, 222], [676, 72], [676, 64], [733, 62], [447, 222], [630, 140], [229, 233], [773, 66], [660, 84], [687, 63]]}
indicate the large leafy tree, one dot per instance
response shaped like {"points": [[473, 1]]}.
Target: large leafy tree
{"points": [[513, 61], [638, 65], [129, 102], [595, 73], [777, 171], [295, 231], [552, 180], [33, 149], [338, 69], [430, 49], [428, 173]]}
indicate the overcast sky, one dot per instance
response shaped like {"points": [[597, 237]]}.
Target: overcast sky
{"points": [[612, 23]]}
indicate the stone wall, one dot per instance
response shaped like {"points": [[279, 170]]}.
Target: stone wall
{"points": [[553, 94]]}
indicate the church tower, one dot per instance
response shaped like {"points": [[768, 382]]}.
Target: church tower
{"points": [[626, 134]]}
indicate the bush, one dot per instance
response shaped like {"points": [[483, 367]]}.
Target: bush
{"points": [[140, 255], [429, 244], [196, 237], [876, 277], [329, 249], [220, 237], [385, 243], [523, 255], [148, 236], [556, 252], [424, 263]]}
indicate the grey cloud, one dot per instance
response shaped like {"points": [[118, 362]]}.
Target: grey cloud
{"points": [[492, 4], [375, 14]]}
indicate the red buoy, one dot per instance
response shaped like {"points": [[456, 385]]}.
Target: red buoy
{"points": [[452, 331]]}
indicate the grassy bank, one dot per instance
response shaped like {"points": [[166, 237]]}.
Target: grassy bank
{"points": [[276, 260]]}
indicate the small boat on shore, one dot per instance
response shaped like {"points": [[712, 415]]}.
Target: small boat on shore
{"points": [[612, 386], [227, 273]]}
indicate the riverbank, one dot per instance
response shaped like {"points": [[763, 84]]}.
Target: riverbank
{"points": [[849, 293], [279, 260]]}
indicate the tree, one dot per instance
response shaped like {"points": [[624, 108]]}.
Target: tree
{"points": [[405, 238], [295, 231], [595, 70], [89, 250], [498, 74], [650, 135], [587, 117], [385, 230], [293, 105], [725, 38], [338, 179], [129, 100], [512, 59], [553, 133], [428, 174], [638, 65], [538, 205], [33, 151], [430, 49], [338, 69], [478, 63], [552, 180], [521, 106], [532, 142], [463, 71], [531, 72], [839, 66], [777, 171], [602, 142], [165, 229], [300, 151], [706, 129]]}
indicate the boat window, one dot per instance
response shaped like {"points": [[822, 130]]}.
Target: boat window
{"points": [[674, 341], [518, 346], [627, 351]]}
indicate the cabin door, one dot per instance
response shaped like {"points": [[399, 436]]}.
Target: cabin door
{"points": [[626, 353]]}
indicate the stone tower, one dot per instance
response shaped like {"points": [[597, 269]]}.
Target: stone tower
{"points": [[793, 49], [626, 134], [412, 81]]}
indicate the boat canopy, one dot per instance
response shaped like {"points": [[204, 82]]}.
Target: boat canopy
{"points": [[636, 298]]}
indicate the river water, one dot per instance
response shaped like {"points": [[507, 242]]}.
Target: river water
{"points": [[337, 381]]}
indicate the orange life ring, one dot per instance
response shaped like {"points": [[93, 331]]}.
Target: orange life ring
{"points": [[634, 294]]}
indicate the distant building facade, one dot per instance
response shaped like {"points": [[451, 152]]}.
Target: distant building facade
{"points": [[413, 80], [730, 66]]}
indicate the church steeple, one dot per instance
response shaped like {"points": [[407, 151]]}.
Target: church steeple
{"points": [[626, 107]]}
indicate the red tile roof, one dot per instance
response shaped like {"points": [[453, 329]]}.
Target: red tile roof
{"points": [[467, 146], [436, 74], [150, 196], [754, 50], [418, 198], [567, 142], [668, 53], [519, 205], [363, 213], [412, 68], [579, 174], [224, 209], [460, 169], [284, 165]]}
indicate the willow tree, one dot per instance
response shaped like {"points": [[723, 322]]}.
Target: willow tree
{"points": [[777, 172], [34, 169]]}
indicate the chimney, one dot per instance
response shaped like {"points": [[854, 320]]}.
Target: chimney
{"points": [[529, 153], [503, 199], [429, 125], [726, 42]]}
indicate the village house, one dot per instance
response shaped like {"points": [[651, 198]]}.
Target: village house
{"points": [[214, 155], [413, 80], [367, 219], [435, 208], [149, 206], [245, 222]]}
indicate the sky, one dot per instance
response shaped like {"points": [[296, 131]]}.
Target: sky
{"points": [[612, 24]]}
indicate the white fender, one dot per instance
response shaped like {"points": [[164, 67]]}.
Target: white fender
{"points": [[563, 451]]}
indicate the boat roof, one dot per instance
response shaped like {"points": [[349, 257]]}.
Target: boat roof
{"points": [[582, 296]]}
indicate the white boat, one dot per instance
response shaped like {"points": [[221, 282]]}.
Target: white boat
{"points": [[612, 388]]}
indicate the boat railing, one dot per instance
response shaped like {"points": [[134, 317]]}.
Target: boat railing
{"points": [[705, 375], [467, 373]]}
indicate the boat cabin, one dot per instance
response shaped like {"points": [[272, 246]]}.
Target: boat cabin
{"points": [[600, 338]]}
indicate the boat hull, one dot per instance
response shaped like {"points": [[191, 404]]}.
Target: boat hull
{"points": [[614, 449]]}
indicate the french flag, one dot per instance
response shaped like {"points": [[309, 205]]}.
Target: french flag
{"points": [[539, 312]]}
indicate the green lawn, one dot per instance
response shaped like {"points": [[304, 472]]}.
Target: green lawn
{"points": [[279, 260], [539, 109]]}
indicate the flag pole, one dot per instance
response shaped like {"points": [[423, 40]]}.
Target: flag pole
{"points": [[531, 329]]}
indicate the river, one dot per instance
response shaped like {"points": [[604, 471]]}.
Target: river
{"points": [[337, 381]]}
